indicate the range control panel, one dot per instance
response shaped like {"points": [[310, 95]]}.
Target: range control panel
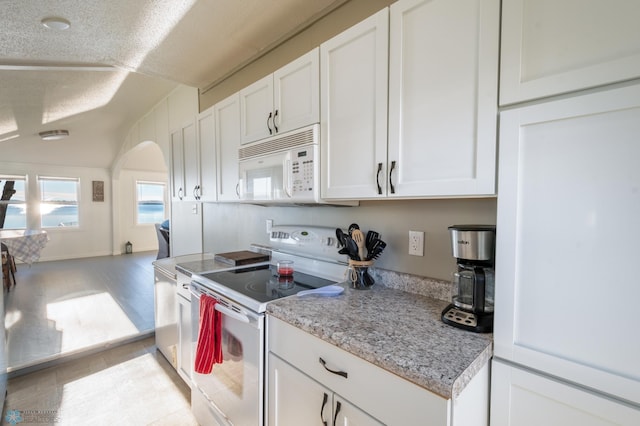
{"points": [[306, 241]]}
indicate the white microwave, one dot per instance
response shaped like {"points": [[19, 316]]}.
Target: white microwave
{"points": [[282, 169]]}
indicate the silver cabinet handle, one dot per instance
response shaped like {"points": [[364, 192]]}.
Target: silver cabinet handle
{"points": [[180, 193]]}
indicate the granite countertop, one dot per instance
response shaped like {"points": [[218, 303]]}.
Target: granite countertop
{"points": [[393, 329]]}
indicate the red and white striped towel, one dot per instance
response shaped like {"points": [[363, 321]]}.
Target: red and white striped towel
{"points": [[209, 348]]}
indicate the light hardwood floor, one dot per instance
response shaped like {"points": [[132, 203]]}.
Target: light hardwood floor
{"points": [[69, 364], [62, 308]]}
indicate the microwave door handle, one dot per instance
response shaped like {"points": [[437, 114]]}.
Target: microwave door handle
{"points": [[287, 177]]}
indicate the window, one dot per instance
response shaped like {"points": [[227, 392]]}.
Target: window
{"points": [[150, 202], [58, 202], [14, 210]]}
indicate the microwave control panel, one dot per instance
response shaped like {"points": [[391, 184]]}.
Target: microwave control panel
{"points": [[302, 171]]}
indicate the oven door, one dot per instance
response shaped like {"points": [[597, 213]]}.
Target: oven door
{"points": [[232, 394]]}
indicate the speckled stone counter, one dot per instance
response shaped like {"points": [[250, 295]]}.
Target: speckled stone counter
{"points": [[395, 330]]}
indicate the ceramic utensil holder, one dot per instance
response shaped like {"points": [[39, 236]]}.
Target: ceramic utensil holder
{"points": [[359, 274]]}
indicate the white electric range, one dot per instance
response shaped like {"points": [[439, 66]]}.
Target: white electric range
{"points": [[233, 393]]}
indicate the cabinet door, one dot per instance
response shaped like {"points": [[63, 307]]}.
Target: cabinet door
{"points": [[569, 184], [191, 161], [177, 166], [227, 129], [443, 90], [294, 398], [353, 113], [208, 157], [551, 47], [521, 398], [256, 106], [347, 414], [184, 338], [297, 93]]}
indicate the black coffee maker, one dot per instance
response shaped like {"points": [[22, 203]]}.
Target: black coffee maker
{"points": [[473, 283]]}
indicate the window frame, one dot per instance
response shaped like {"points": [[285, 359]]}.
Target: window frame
{"points": [[137, 200], [25, 203], [40, 182]]}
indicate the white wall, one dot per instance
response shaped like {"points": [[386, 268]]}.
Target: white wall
{"points": [[93, 236]]}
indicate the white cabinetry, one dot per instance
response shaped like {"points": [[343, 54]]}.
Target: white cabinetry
{"points": [[227, 131], [183, 306], [569, 182], [551, 47], [442, 105], [525, 399], [289, 384], [443, 96], [184, 162], [285, 100], [353, 81], [303, 369], [207, 187]]}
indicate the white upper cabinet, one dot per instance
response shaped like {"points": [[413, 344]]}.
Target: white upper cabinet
{"points": [[442, 58], [227, 131], [353, 81], [285, 100], [177, 165], [207, 188], [551, 47], [443, 95], [184, 163]]}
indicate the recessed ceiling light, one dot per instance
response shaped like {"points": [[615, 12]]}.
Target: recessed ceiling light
{"points": [[56, 23], [52, 135]]}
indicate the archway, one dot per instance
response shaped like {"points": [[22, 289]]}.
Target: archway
{"points": [[143, 162]]}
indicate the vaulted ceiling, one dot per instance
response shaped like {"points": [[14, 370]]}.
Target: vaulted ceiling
{"points": [[116, 60]]}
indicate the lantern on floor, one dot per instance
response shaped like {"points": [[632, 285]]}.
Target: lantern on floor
{"points": [[128, 248]]}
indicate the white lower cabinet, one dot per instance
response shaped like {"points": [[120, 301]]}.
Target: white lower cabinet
{"points": [[314, 403], [183, 306], [312, 382], [522, 398]]}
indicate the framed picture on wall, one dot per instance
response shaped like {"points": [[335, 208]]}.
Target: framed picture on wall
{"points": [[98, 190]]}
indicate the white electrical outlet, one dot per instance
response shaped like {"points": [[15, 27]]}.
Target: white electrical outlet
{"points": [[416, 243], [269, 225]]}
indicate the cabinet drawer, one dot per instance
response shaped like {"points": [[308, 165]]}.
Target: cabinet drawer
{"points": [[379, 393]]}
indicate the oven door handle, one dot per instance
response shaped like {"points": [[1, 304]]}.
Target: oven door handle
{"points": [[233, 314]]}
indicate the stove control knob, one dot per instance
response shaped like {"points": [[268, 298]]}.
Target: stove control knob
{"points": [[330, 241]]}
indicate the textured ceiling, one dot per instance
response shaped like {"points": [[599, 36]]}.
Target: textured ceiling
{"points": [[145, 48]]}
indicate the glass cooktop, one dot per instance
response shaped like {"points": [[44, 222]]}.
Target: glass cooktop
{"points": [[261, 284]]}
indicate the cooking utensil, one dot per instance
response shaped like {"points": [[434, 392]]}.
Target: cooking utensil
{"points": [[352, 248], [340, 237], [376, 248], [352, 227], [358, 237], [330, 290], [370, 238]]}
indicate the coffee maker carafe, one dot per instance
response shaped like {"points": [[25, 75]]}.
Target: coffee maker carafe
{"points": [[473, 286]]}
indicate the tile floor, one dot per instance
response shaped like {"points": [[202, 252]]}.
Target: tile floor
{"points": [[128, 385], [66, 324]]}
